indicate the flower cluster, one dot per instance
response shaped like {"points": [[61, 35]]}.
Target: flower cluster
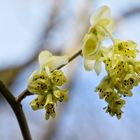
{"points": [[46, 82], [119, 59], [93, 50], [106, 91], [123, 70]]}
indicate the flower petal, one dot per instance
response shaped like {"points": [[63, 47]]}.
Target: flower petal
{"points": [[89, 64], [61, 95], [56, 61], [101, 13], [31, 76], [98, 67], [103, 17], [90, 46], [38, 103], [44, 57], [52, 62]]}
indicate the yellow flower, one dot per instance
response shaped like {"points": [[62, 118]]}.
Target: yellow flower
{"points": [[131, 80], [95, 61], [92, 41], [49, 106], [119, 68], [102, 17], [107, 91], [101, 25], [113, 96], [123, 73], [121, 89], [46, 87], [39, 83], [90, 45], [104, 88], [46, 82], [58, 78], [48, 61], [61, 95], [123, 70], [38, 102], [114, 111], [125, 48], [114, 107]]}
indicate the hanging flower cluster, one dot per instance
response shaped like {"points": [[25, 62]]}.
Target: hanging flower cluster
{"points": [[119, 59], [123, 70], [46, 83]]}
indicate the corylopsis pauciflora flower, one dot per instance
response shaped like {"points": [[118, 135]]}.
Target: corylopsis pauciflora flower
{"points": [[122, 67], [93, 50], [46, 83]]}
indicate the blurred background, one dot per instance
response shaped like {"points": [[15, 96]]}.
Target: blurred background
{"points": [[29, 26]]}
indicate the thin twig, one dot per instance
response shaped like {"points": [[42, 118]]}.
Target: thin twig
{"points": [[72, 58], [17, 108], [27, 93], [23, 95]]}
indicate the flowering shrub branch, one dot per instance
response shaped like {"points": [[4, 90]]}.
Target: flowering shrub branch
{"points": [[119, 59], [27, 93]]}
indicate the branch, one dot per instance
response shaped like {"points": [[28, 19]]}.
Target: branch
{"points": [[72, 58], [23, 95], [27, 93], [17, 108]]}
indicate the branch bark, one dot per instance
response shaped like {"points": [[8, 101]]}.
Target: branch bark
{"points": [[17, 108]]}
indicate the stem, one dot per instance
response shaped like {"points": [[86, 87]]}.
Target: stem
{"points": [[23, 95], [72, 58], [17, 108], [27, 93]]}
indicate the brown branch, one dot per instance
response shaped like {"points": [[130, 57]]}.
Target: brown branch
{"points": [[17, 108], [27, 93], [23, 95], [72, 58]]}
